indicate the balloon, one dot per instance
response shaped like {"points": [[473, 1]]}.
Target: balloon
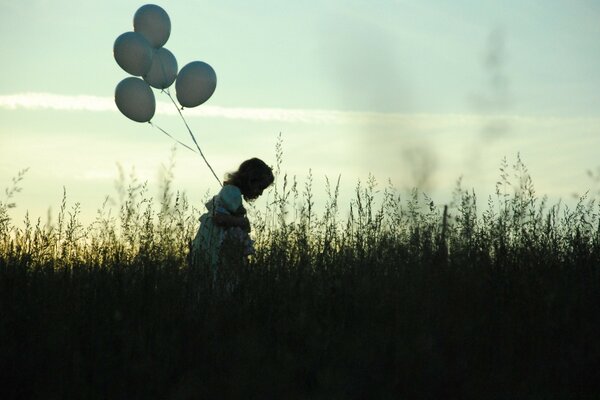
{"points": [[133, 53], [135, 99], [163, 71], [195, 84], [153, 22]]}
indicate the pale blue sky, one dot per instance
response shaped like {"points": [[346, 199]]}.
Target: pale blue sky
{"points": [[418, 92]]}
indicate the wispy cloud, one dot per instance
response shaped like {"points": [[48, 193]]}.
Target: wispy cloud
{"points": [[41, 101], [49, 101]]}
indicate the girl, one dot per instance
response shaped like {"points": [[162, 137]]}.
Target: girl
{"points": [[225, 222]]}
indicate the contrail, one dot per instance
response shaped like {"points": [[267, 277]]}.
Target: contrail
{"points": [[425, 121], [41, 101]]}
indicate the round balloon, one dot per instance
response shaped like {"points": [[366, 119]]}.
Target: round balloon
{"points": [[135, 99], [153, 22], [196, 82], [133, 53], [163, 71]]}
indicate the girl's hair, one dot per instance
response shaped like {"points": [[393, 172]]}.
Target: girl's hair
{"points": [[250, 172]]}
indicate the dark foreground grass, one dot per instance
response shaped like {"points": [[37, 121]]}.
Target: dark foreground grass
{"points": [[403, 299]]}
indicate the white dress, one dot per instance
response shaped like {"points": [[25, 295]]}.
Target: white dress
{"points": [[209, 238]]}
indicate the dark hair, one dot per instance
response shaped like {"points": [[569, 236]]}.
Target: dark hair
{"points": [[250, 172]]}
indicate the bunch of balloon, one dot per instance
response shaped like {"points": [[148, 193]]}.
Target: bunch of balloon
{"points": [[141, 53]]}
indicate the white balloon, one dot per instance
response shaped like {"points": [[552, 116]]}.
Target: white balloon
{"points": [[153, 22], [163, 71], [196, 82], [135, 99], [133, 53]]}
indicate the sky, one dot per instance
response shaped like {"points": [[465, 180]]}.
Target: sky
{"points": [[416, 93]]}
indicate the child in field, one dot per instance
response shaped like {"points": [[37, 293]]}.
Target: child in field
{"points": [[225, 227]]}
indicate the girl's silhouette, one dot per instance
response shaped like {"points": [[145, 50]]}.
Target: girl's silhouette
{"points": [[224, 228]]}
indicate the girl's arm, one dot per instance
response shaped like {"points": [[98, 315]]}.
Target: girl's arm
{"points": [[228, 221]]}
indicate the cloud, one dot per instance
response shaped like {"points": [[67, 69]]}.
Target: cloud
{"points": [[49, 101], [428, 122], [41, 101]]}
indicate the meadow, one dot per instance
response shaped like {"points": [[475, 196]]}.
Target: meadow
{"points": [[400, 298]]}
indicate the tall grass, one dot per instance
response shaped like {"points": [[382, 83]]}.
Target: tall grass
{"points": [[400, 297]]}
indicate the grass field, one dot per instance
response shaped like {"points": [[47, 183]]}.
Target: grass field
{"points": [[402, 298]]}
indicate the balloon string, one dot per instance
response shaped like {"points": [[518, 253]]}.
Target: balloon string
{"points": [[167, 133], [191, 134]]}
